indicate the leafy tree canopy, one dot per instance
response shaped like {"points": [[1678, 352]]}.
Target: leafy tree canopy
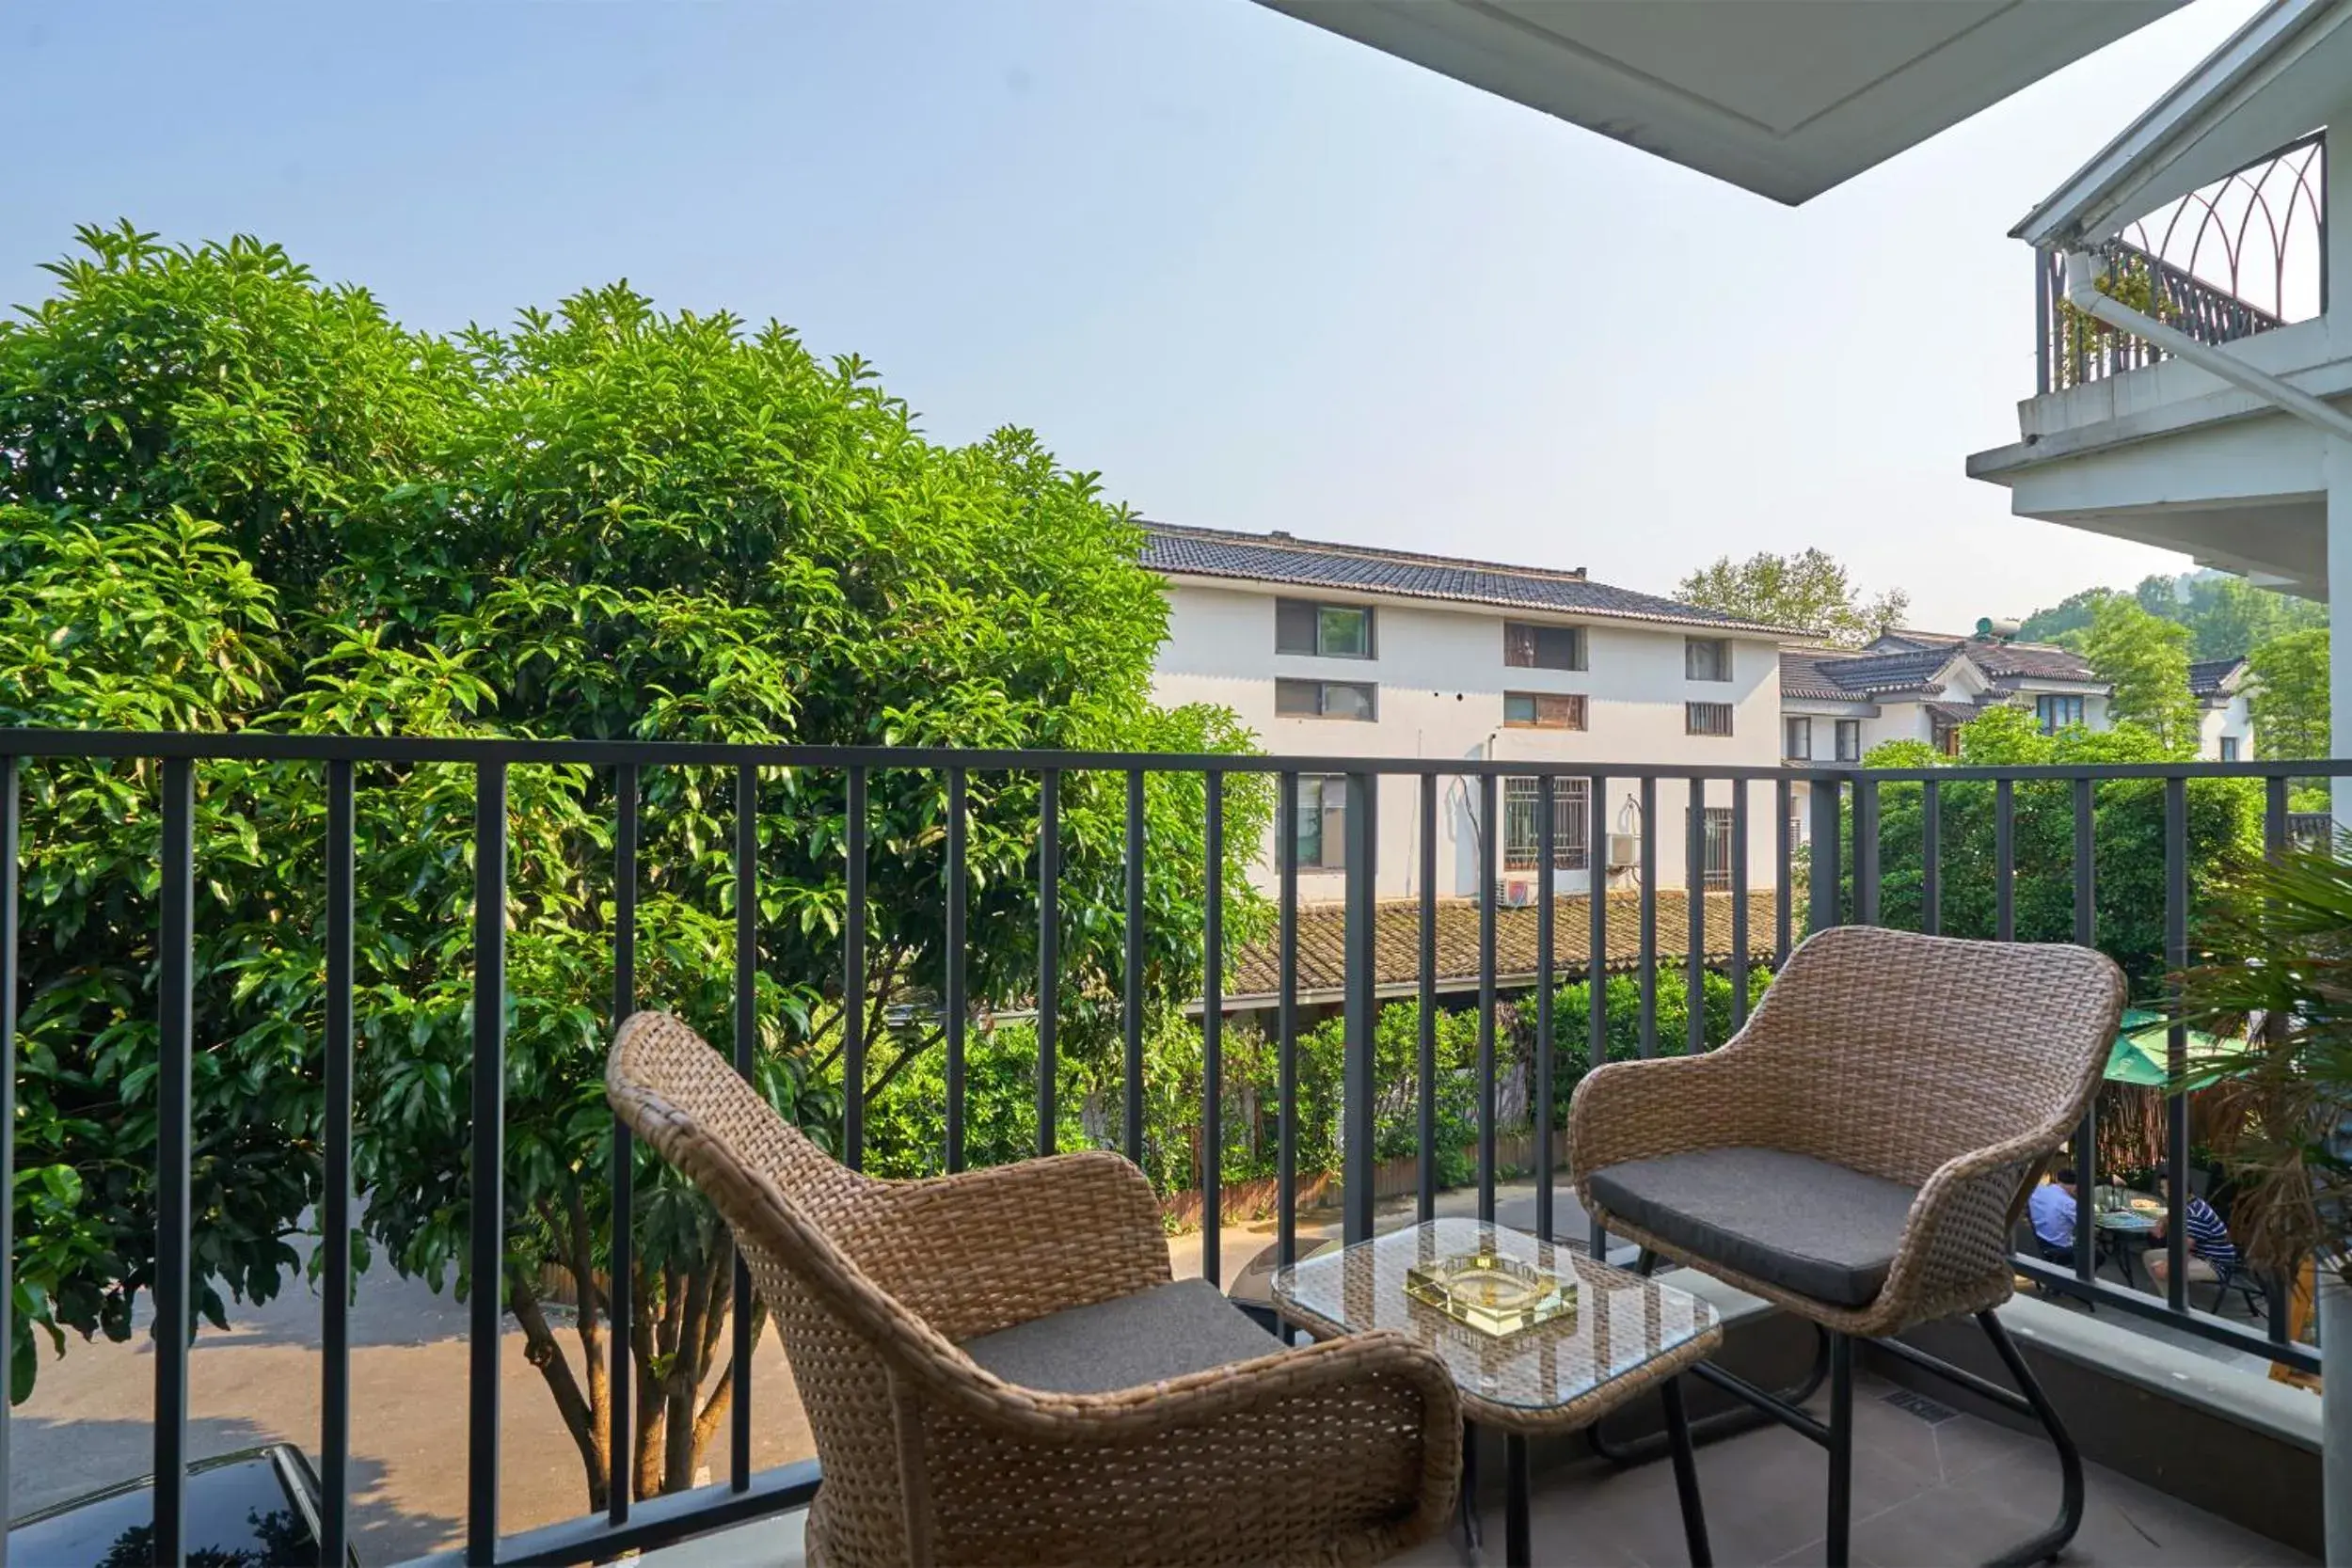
{"points": [[2290, 700], [2226, 615], [2144, 659], [1810, 591], [237, 498]]}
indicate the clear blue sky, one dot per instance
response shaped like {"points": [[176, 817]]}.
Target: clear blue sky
{"points": [[1258, 276]]}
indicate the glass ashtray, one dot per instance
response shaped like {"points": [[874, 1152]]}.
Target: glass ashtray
{"points": [[1492, 1293]]}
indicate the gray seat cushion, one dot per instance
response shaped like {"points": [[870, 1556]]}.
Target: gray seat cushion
{"points": [[1810, 1226], [1165, 1332]]}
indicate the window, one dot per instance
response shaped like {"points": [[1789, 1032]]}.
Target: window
{"points": [[1571, 824], [1706, 717], [2055, 713], [1706, 658], [1357, 700], [1529, 647], [2229, 747], [1850, 740], [1330, 630], [1946, 736], [1322, 822], [1715, 825], [1797, 740], [1543, 710]]}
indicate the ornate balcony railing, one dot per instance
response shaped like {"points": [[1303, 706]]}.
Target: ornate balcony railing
{"points": [[1842, 875], [2242, 256]]}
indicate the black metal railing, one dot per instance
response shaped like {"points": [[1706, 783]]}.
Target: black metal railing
{"points": [[2242, 256], [1838, 877]]}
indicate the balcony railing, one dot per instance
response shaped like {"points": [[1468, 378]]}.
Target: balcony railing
{"points": [[1839, 875], [2242, 256]]}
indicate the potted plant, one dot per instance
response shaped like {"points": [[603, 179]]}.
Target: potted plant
{"points": [[2276, 969]]}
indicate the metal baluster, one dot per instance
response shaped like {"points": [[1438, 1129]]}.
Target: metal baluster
{"points": [[2087, 1136], [1359, 1000], [1931, 856], [335, 1224], [1866, 851], [746, 1041], [1547, 832], [1286, 1028], [1489, 833], [619, 1297], [1425, 1075], [1213, 1040], [1784, 879], [1740, 905], [1048, 951], [1596, 951], [1130, 1018], [2275, 845], [853, 981], [2176, 1039], [2005, 859], [957, 897], [487, 1179], [1694, 920], [1649, 959], [174, 1068]]}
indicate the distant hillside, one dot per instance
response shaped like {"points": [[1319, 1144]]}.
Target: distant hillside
{"points": [[2226, 615]]}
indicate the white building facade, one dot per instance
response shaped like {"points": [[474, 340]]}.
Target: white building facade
{"points": [[1837, 703], [1340, 651]]}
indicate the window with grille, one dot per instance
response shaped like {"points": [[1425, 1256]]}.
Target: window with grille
{"points": [[1715, 828], [1532, 648], [1543, 710], [1571, 824], [1327, 630], [1357, 700], [1797, 740], [1706, 658], [1322, 820], [2056, 712], [1706, 717]]}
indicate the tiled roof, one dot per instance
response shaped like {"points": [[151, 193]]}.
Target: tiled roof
{"points": [[1800, 675], [1396, 946], [1907, 661], [2032, 660], [1871, 673], [1953, 713], [2205, 676], [1307, 564]]}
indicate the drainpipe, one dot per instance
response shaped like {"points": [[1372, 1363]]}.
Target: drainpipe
{"points": [[2084, 296]]}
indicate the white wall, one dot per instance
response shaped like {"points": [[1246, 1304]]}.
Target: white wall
{"points": [[2232, 718], [1441, 680]]}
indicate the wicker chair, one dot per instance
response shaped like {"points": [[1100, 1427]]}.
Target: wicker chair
{"points": [[1859, 1151], [997, 1367]]}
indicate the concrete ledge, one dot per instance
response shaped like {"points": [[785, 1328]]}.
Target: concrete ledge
{"points": [[2230, 1442]]}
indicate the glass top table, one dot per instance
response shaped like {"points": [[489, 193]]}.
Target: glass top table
{"points": [[1627, 1335], [1626, 1332]]}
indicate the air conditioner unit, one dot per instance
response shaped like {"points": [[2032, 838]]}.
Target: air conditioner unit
{"points": [[1518, 892], [1625, 852]]}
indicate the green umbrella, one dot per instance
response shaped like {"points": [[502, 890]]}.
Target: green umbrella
{"points": [[2143, 1050]]}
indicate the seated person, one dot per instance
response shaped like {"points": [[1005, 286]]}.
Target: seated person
{"points": [[2052, 1208], [2210, 1249]]}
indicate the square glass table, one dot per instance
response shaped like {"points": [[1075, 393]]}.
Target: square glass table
{"points": [[1626, 1335]]}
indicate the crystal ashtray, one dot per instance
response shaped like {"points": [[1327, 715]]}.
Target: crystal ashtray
{"points": [[1491, 1293]]}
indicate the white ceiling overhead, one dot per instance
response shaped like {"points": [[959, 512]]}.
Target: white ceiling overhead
{"points": [[1785, 98]]}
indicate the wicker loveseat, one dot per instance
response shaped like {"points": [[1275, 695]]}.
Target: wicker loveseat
{"points": [[998, 1368], [1857, 1153]]}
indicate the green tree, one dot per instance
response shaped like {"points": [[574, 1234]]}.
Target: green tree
{"points": [[1809, 591], [2065, 622], [239, 498], [2290, 702], [2145, 660], [2127, 836]]}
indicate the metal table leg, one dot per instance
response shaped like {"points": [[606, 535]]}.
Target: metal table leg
{"points": [[1686, 1474], [1517, 1552], [1469, 1490]]}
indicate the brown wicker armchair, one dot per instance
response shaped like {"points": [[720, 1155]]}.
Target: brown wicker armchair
{"points": [[998, 1368], [1858, 1152]]}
